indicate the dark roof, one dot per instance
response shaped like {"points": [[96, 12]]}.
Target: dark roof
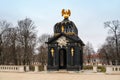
{"points": [[74, 38], [68, 25]]}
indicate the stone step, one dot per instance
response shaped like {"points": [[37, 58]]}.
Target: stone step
{"points": [[62, 71]]}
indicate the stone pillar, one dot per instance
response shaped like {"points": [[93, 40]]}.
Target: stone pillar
{"points": [[21, 69], [45, 67], [110, 62], [108, 69], [36, 68], [94, 68], [27, 68]]}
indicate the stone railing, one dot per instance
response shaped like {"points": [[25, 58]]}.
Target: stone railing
{"points": [[23, 68], [113, 69], [11, 68]]}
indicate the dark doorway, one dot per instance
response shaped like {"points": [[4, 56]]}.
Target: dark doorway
{"points": [[62, 59]]}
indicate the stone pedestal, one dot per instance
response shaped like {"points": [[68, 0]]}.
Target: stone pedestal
{"points": [[21, 68], [94, 68], [36, 68], [108, 69], [45, 67], [27, 68]]}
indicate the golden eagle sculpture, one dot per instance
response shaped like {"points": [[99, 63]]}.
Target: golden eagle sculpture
{"points": [[66, 13]]}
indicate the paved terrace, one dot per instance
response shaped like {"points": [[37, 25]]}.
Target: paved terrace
{"points": [[57, 76]]}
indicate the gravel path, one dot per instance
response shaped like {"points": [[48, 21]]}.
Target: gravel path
{"points": [[56, 76]]}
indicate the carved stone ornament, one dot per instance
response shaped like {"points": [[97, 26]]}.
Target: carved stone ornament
{"points": [[62, 41]]}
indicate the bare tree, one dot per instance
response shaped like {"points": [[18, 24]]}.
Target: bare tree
{"points": [[27, 38], [106, 54], [88, 50], [114, 28], [3, 26], [13, 40], [108, 50], [43, 38], [43, 48]]}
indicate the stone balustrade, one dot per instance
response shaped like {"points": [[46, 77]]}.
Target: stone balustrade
{"points": [[113, 69], [11, 68]]}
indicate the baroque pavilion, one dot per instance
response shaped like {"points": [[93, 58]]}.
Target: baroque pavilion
{"points": [[65, 48]]}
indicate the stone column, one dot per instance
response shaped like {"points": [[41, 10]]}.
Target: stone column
{"points": [[108, 69], [27, 68], [45, 67], [21, 69], [94, 68], [36, 68]]}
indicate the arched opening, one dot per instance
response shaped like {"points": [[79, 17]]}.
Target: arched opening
{"points": [[62, 59]]}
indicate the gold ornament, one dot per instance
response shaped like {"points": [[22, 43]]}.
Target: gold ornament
{"points": [[62, 28], [66, 13], [52, 52], [72, 51]]}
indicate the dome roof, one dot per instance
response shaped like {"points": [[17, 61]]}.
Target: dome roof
{"points": [[66, 26]]}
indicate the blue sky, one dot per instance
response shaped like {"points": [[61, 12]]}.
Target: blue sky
{"points": [[88, 15]]}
